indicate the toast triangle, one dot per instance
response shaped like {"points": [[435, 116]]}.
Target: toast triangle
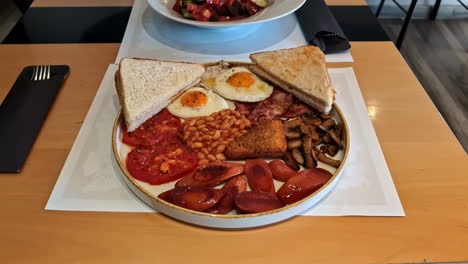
{"points": [[301, 71], [146, 86]]}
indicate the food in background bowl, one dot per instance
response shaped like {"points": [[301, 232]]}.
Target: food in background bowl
{"points": [[218, 10]]}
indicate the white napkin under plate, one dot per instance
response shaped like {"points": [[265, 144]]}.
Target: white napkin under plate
{"points": [[90, 179]]}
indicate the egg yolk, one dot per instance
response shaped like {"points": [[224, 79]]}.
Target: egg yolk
{"points": [[241, 79], [194, 99]]}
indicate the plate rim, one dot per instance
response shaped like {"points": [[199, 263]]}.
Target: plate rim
{"points": [[124, 171]]}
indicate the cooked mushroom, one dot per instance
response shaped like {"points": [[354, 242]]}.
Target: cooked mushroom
{"points": [[292, 123], [306, 129], [294, 144], [330, 123], [332, 150], [307, 144], [309, 162], [318, 142], [327, 139], [338, 129], [315, 135], [332, 162], [288, 159], [334, 137], [314, 153], [315, 121], [290, 134], [297, 156], [313, 138]]}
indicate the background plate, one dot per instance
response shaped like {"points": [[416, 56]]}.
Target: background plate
{"points": [[274, 10]]}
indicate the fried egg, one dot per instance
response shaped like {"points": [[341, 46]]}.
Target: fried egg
{"points": [[209, 77], [196, 102], [240, 84]]}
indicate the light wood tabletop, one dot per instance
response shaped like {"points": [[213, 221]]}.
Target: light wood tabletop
{"points": [[428, 166]]}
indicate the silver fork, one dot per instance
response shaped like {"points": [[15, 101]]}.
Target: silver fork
{"points": [[41, 72]]}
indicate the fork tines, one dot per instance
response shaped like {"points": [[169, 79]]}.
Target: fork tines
{"points": [[41, 72]]}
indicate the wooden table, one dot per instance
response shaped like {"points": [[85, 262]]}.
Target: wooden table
{"points": [[428, 165]]}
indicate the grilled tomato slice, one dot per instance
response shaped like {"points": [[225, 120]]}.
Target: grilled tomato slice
{"points": [[159, 127], [170, 160]]}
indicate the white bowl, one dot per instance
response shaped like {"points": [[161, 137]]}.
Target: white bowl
{"points": [[149, 193], [274, 10]]}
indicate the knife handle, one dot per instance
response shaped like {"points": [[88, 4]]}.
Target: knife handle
{"points": [[23, 112]]}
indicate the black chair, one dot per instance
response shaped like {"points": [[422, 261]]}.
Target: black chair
{"points": [[409, 14], [434, 11], [23, 5], [10, 13]]}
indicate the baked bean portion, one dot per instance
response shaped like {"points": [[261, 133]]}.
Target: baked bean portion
{"points": [[208, 136]]}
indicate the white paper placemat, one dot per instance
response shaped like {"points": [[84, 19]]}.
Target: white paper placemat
{"points": [[90, 179], [150, 35]]}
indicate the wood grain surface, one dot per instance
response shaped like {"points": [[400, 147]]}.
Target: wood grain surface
{"points": [[74, 3], [437, 51], [427, 164]]}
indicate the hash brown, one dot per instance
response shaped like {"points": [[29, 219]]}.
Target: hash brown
{"points": [[266, 139]]}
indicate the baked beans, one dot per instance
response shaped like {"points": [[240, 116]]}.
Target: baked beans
{"points": [[208, 136]]}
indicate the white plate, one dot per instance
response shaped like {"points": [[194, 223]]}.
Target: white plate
{"points": [[274, 10], [148, 193]]}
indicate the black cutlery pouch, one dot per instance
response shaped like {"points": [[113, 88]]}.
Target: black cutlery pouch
{"points": [[320, 28], [23, 112]]}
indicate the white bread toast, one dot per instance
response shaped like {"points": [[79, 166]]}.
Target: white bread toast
{"points": [[300, 71], [146, 86]]}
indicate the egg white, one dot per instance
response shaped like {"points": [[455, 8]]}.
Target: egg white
{"points": [[258, 91], [231, 104], [215, 103], [209, 77]]}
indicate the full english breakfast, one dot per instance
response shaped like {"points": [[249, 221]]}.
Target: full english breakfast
{"points": [[227, 134]]}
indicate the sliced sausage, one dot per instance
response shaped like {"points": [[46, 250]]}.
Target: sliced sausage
{"points": [[259, 176], [302, 185], [196, 198], [211, 174], [234, 186], [256, 202], [281, 171]]}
